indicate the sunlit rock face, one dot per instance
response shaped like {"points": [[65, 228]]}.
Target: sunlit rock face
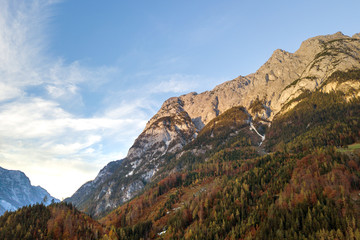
{"points": [[276, 84]]}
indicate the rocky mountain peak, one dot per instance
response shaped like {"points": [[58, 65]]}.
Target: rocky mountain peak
{"points": [[275, 84], [170, 107], [329, 53], [311, 46]]}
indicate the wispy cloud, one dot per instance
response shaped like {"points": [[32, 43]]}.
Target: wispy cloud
{"points": [[58, 123], [176, 83], [57, 149], [37, 132]]}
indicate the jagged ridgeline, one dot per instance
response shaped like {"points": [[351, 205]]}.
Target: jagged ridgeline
{"points": [[271, 155]]}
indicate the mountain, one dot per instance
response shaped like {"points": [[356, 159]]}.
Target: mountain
{"points": [[16, 191], [237, 162], [268, 99], [226, 187]]}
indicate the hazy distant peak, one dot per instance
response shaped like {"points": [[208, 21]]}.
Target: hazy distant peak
{"points": [[16, 191]]}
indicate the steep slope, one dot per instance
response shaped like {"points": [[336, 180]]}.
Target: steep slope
{"points": [[278, 196], [282, 78], [57, 221], [273, 89], [16, 191], [305, 190], [121, 180], [318, 119], [228, 191]]}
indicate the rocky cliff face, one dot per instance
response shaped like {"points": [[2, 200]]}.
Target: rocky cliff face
{"points": [[275, 85], [119, 181], [282, 78], [16, 191]]}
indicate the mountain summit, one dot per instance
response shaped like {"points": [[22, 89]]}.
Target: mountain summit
{"points": [[272, 91]]}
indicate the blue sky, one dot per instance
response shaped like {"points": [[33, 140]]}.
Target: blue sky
{"points": [[80, 79]]}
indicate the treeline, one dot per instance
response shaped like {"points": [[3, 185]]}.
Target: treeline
{"points": [[29, 222], [321, 119], [57, 221], [341, 76], [278, 196]]}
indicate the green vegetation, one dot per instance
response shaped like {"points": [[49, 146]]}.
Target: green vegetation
{"points": [[277, 196], [305, 189], [350, 148], [257, 105], [340, 76], [319, 119], [57, 221]]}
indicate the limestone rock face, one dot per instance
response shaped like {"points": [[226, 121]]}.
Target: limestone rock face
{"points": [[334, 53], [119, 181], [282, 78], [276, 84]]}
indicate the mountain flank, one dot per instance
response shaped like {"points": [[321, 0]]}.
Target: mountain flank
{"points": [[322, 65]]}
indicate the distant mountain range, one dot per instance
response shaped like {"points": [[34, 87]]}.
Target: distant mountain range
{"points": [[16, 191]]}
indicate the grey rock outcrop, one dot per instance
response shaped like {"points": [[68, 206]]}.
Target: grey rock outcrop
{"points": [[119, 181]]}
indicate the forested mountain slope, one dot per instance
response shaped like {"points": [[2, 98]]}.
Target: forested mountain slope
{"points": [[274, 89], [57, 221], [305, 189]]}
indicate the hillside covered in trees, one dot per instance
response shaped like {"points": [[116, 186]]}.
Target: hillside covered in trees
{"points": [[57, 221], [303, 183], [306, 188]]}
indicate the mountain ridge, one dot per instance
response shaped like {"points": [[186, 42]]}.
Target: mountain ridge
{"points": [[278, 82], [16, 191]]}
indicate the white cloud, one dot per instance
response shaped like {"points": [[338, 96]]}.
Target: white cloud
{"points": [[50, 144], [37, 135], [8, 92], [75, 147], [60, 176], [176, 83], [21, 40], [41, 133], [57, 149]]}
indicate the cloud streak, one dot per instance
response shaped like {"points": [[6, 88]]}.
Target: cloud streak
{"points": [[62, 122], [176, 83], [57, 149]]}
